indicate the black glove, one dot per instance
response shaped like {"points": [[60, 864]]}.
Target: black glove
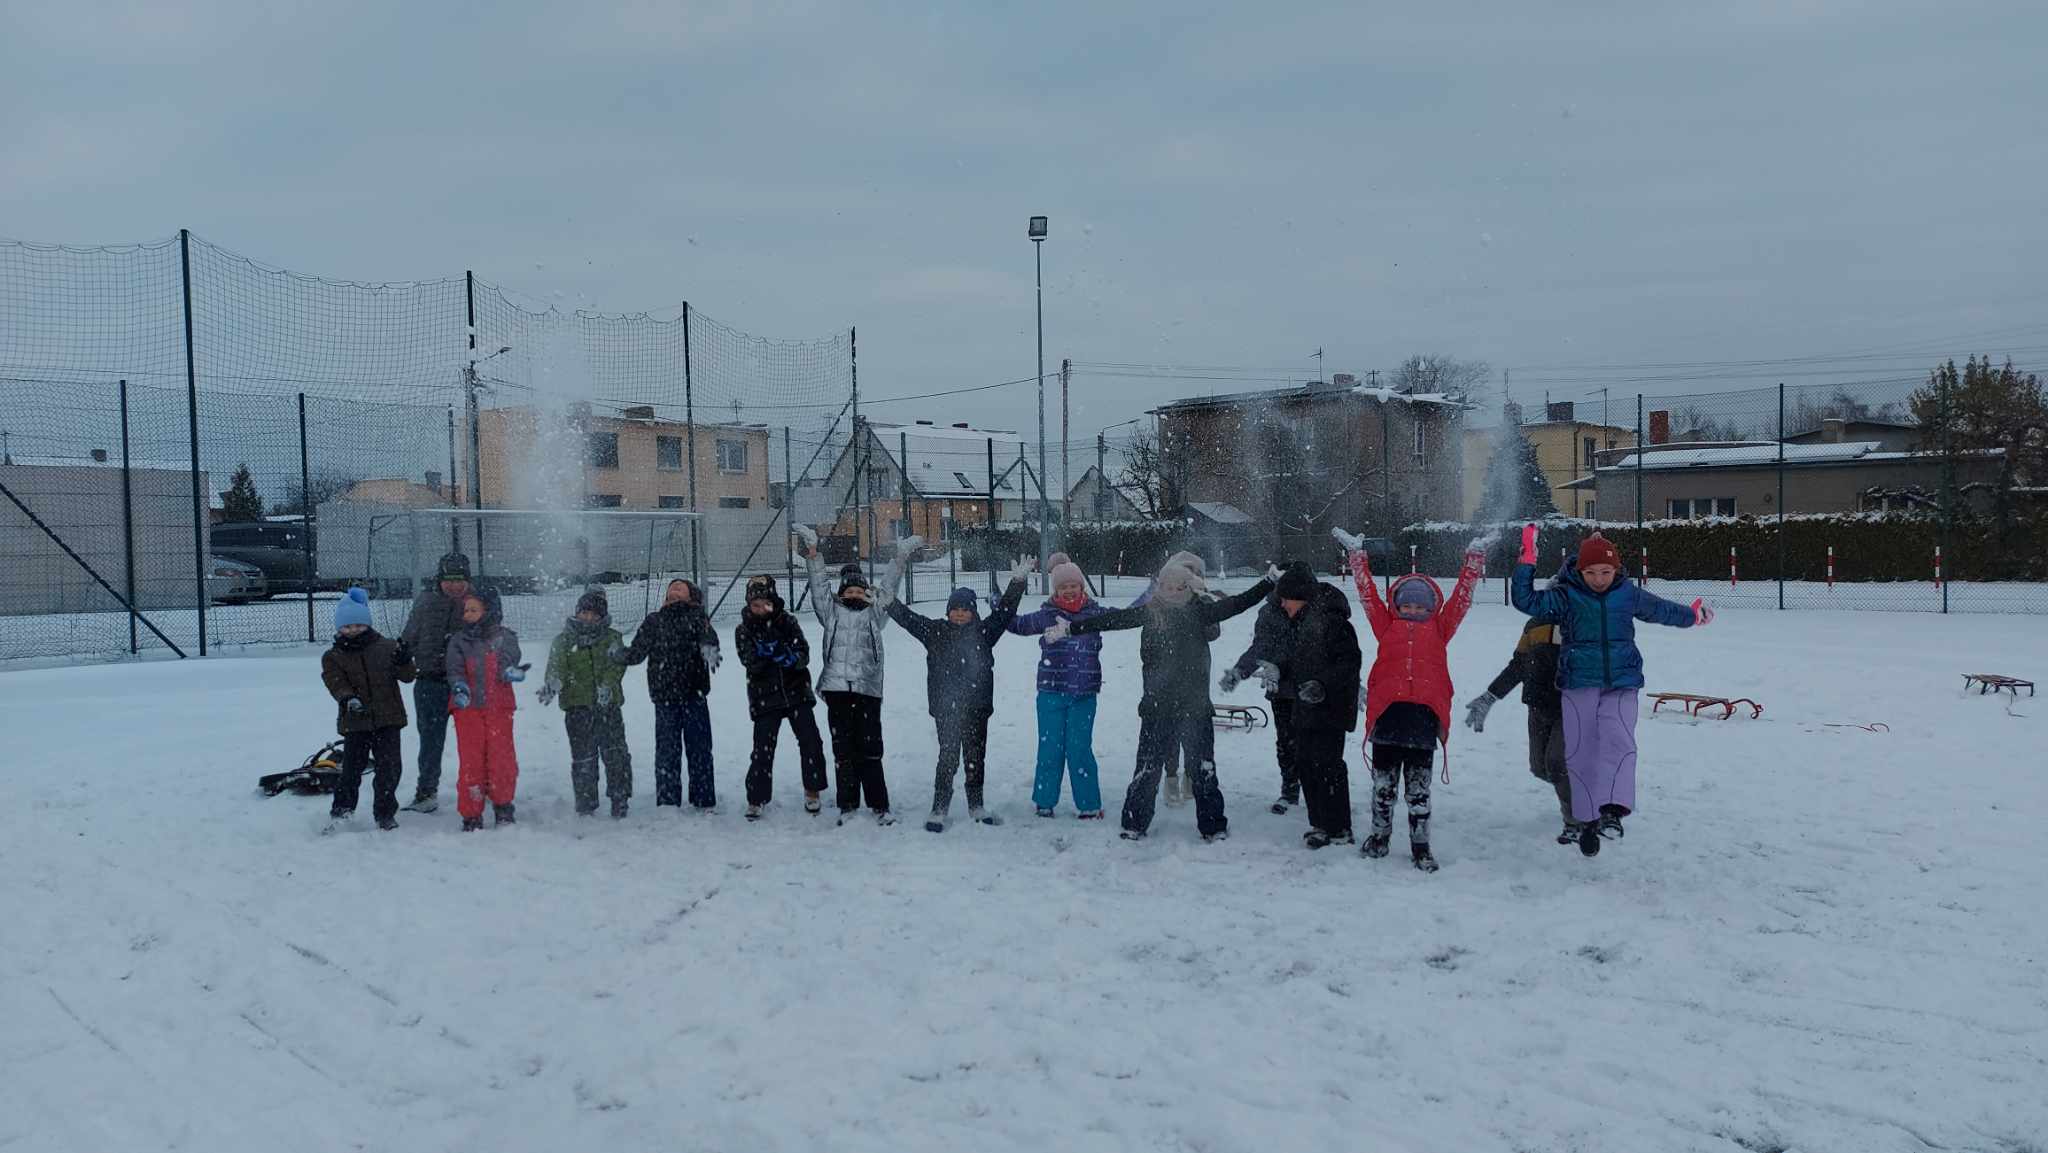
{"points": [[401, 654]]}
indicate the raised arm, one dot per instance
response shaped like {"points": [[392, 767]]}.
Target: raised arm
{"points": [[1461, 595], [916, 624], [998, 621], [1216, 612], [1376, 613], [892, 578], [1033, 623], [821, 588], [1658, 611], [1114, 620]]}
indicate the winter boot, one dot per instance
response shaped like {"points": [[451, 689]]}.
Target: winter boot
{"points": [[1569, 835], [338, 822], [1316, 839], [1610, 822], [472, 824], [1375, 845], [812, 805], [1094, 816], [619, 806], [503, 815], [754, 811], [387, 823], [1589, 838], [1132, 834], [936, 823], [423, 803], [1279, 808], [1419, 853], [846, 815], [1047, 813], [884, 818], [1218, 835], [983, 817], [1175, 794]]}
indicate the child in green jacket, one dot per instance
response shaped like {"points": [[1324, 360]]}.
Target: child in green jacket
{"points": [[587, 671]]}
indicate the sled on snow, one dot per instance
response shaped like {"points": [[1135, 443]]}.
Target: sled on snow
{"points": [[316, 775], [1695, 703], [1246, 717], [1996, 683]]}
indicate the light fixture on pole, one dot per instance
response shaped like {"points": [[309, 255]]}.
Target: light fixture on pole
{"points": [[1036, 231]]}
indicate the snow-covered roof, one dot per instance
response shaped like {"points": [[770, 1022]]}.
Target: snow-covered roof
{"points": [[1385, 395], [1220, 513], [1301, 392], [948, 461], [1747, 456], [88, 462]]}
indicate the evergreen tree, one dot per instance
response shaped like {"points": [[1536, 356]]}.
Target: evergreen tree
{"points": [[1516, 489], [241, 501]]}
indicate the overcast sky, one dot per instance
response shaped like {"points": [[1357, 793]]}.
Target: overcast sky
{"points": [[1623, 183]]}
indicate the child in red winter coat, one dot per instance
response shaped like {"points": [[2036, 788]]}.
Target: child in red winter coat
{"points": [[483, 665], [1408, 693]]}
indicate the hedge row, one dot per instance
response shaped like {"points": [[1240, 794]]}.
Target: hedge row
{"points": [[1867, 546], [1107, 549]]}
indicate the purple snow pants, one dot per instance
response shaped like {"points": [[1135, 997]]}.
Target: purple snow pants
{"points": [[1600, 749]]}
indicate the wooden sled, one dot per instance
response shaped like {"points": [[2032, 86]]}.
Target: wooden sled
{"points": [[1694, 703], [1995, 682], [1246, 717]]}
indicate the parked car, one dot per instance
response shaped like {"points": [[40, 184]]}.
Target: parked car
{"points": [[233, 582], [279, 548]]}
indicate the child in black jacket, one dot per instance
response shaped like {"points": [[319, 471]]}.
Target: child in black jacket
{"points": [[771, 646], [1534, 667], [960, 687]]}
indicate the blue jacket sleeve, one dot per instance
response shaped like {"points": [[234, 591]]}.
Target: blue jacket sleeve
{"points": [[1033, 623], [1549, 604], [1658, 611]]}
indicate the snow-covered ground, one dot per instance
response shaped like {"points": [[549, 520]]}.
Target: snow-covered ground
{"points": [[1813, 938]]}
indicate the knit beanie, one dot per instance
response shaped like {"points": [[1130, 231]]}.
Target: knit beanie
{"points": [[1177, 584], [962, 598], [454, 567], [1597, 549], [1067, 572], [1056, 560], [353, 609], [1297, 583], [760, 587], [850, 577], [594, 602], [1414, 591]]}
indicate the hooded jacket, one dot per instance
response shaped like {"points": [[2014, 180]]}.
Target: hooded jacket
{"points": [[480, 655], [852, 636], [1534, 667], [435, 620], [1072, 665], [1597, 641], [959, 660], [778, 662], [1173, 649], [583, 658], [367, 668], [671, 640], [1319, 646], [1413, 662]]}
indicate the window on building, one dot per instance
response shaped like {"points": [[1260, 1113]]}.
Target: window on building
{"points": [[732, 456], [603, 500], [1591, 514], [964, 482], [1592, 452], [602, 450], [734, 502], [1421, 441], [674, 502], [668, 453], [1683, 508]]}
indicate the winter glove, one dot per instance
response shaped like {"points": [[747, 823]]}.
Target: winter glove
{"points": [[1528, 545], [1269, 677], [546, 695], [1022, 567], [711, 657], [1475, 556], [789, 658], [1476, 710], [1702, 613], [606, 696], [809, 537], [1057, 632], [401, 654], [1351, 541], [353, 704], [460, 695], [908, 546], [1273, 573], [515, 674], [617, 653], [1361, 696], [1311, 692], [1227, 682]]}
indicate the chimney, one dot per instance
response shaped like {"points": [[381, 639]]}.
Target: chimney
{"points": [[1558, 412], [434, 480], [1831, 430], [99, 456], [1660, 426], [1343, 380]]}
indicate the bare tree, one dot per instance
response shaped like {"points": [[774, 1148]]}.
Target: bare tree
{"points": [[1436, 372], [1156, 474], [327, 484]]}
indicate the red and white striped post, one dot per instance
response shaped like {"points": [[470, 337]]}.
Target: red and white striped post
{"points": [[1831, 566], [1411, 558], [1646, 564], [1731, 566], [1937, 566]]}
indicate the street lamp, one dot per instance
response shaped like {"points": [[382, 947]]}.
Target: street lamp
{"points": [[1036, 231]]}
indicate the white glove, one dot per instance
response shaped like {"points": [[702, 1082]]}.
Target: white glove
{"points": [[546, 695], [1057, 632], [809, 537], [1361, 696], [1273, 573], [1269, 677], [1351, 541], [605, 696], [1229, 680], [909, 545], [711, 657], [1022, 567], [1476, 710]]}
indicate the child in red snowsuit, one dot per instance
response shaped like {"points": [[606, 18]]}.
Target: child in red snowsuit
{"points": [[1408, 693], [483, 665]]}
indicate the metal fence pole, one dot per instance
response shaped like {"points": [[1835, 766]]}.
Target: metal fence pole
{"points": [[988, 523], [306, 515], [690, 423], [859, 448], [1948, 484], [789, 512], [192, 419], [903, 513], [454, 526], [128, 521], [1642, 446], [1781, 496]]}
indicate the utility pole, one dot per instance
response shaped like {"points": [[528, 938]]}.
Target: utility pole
{"points": [[1066, 483], [1101, 477]]}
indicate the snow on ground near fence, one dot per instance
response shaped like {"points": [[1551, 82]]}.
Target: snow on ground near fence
{"points": [[1813, 938]]}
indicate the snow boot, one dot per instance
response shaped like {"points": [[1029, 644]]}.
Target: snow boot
{"points": [[885, 818], [338, 822], [812, 805], [423, 803], [619, 807], [503, 814], [1610, 822], [1589, 838], [754, 812], [1422, 858], [983, 817], [472, 824], [1218, 835], [387, 823], [1132, 834], [1279, 808], [846, 815], [1316, 839], [1047, 813], [1569, 835], [1175, 795], [1375, 845], [936, 823], [1094, 816]]}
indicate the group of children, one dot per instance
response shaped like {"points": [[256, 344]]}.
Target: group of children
{"points": [[1577, 662]]}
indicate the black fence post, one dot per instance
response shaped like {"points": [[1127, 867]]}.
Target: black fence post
{"points": [[690, 428], [988, 523], [306, 516], [903, 512], [1948, 489], [1781, 496], [192, 419], [454, 526], [789, 512], [128, 522], [1642, 446]]}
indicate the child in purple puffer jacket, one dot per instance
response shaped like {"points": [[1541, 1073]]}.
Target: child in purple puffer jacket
{"points": [[1069, 679]]}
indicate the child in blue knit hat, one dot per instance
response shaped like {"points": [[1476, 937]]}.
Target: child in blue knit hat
{"points": [[362, 672]]}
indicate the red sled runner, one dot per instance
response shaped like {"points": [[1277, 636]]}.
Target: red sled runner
{"points": [[1693, 703]]}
